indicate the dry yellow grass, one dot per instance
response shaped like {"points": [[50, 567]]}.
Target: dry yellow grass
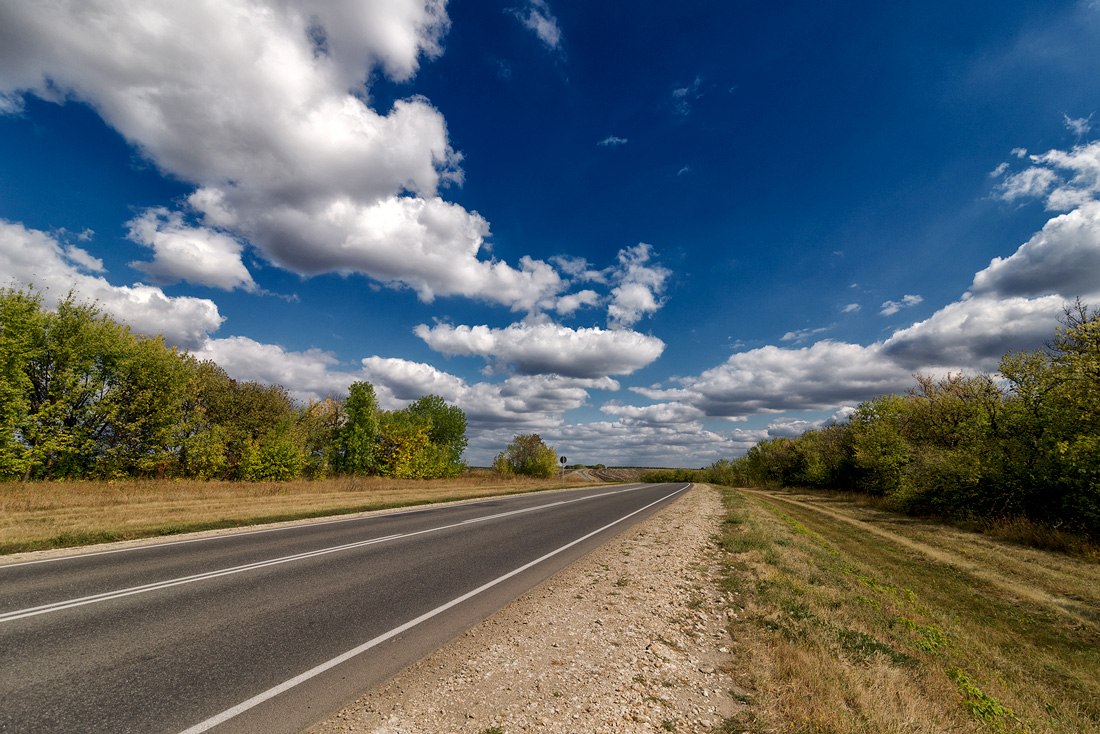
{"points": [[852, 619], [39, 515]]}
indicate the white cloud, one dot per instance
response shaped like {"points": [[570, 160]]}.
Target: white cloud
{"points": [[889, 308], [83, 260], [30, 258], [198, 255], [851, 308], [1027, 184], [619, 443], [538, 18], [548, 348], [792, 427], [523, 402], [803, 334], [568, 304], [612, 141], [656, 414], [1063, 258], [578, 268], [973, 333], [262, 106], [1079, 126], [308, 375], [639, 288], [1065, 179], [772, 380]]}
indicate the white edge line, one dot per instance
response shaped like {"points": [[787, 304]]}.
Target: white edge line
{"points": [[344, 657], [291, 525]]}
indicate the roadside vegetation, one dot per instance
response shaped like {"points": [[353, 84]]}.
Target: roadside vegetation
{"points": [[81, 397], [847, 618], [1017, 453]]}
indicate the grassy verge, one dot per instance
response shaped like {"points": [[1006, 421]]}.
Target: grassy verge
{"points": [[43, 515], [850, 619]]}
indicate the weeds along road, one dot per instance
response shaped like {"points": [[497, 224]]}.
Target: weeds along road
{"points": [[272, 630]]}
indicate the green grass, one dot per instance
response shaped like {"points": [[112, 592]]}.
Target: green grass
{"points": [[866, 623]]}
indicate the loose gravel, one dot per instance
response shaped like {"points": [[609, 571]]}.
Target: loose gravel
{"points": [[632, 638]]}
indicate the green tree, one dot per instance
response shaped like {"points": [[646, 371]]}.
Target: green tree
{"points": [[447, 432], [73, 366], [354, 445], [527, 454], [145, 411], [21, 319]]}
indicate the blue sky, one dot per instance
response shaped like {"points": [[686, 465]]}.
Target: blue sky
{"points": [[653, 235]]}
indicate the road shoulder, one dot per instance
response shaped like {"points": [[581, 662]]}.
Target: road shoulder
{"points": [[628, 639]]}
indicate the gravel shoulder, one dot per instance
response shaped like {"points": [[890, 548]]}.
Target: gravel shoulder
{"points": [[631, 638]]}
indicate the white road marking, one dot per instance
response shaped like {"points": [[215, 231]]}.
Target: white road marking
{"points": [[344, 657], [156, 586]]}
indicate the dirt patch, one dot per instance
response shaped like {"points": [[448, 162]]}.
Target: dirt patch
{"points": [[629, 639]]}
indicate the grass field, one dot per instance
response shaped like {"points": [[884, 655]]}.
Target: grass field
{"points": [[846, 618], [41, 515]]}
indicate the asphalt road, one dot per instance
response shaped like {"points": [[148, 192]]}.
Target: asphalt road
{"points": [[272, 630]]}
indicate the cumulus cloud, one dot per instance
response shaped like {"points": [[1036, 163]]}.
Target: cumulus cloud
{"points": [[198, 255], [1029, 184], [655, 414], [973, 333], [619, 443], [568, 304], [1063, 179], [519, 402], [639, 289], [1063, 258], [889, 308], [612, 141], [31, 258], [548, 348], [772, 380], [308, 375], [263, 107]]}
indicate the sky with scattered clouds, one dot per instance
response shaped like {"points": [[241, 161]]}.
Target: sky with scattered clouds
{"points": [[652, 233]]}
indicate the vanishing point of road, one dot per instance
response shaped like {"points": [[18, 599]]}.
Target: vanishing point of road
{"points": [[271, 630]]}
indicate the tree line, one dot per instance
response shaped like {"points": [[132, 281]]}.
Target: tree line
{"points": [[83, 397], [964, 446]]}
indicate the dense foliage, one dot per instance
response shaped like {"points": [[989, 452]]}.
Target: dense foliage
{"points": [[81, 396], [527, 454], [966, 446]]}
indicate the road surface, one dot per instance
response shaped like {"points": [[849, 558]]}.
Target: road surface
{"points": [[272, 630]]}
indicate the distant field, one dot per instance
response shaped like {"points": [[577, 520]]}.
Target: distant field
{"points": [[40, 515], [845, 619]]}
